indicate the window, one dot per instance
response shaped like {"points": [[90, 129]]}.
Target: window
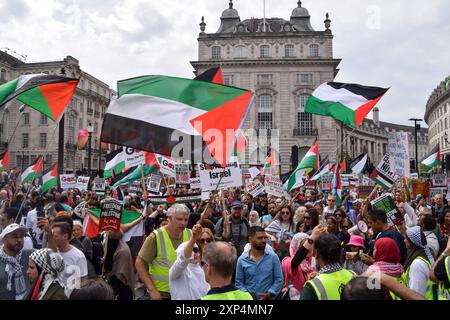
{"points": [[89, 108], [95, 126], [48, 160], [228, 80], [71, 125], [304, 120], [3, 74], [81, 107], [264, 79], [216, 52], [240, 52], [289, 50], [96, 112], [264, 51], [304, 78], [81, 124], [43, 141], [265, 112], [26, 118], [314, 50], [43, 119], [25, 140]]}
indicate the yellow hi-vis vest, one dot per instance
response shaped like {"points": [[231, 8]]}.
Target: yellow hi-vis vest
{"points": [[406, 277], [328, 286], [165, 257], [444, 294], [231, 295]]}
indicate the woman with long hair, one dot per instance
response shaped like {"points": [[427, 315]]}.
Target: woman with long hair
{"points": [[45, 270], [311, 220]]}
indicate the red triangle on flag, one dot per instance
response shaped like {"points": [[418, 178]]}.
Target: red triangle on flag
{"points": [[58, 96]]}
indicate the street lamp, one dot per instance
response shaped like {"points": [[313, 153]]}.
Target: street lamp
{"points": [[90, 129], [416, 127]]}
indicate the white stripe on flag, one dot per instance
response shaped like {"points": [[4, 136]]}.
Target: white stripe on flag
{"points": [[327, 93]]}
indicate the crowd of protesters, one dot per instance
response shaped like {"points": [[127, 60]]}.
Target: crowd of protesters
{"points": [[232, 246]]}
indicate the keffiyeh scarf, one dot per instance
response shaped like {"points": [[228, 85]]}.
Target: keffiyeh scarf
{"points": [[52, 266], [14, 271], [330, 268]]}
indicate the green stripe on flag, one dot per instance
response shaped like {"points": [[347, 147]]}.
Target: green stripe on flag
{"points": [[8, 88], [332, 109], [199, 94], [36, 99]]}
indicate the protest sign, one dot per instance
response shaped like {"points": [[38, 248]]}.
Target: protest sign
{"points": [[166, 165], [439, 190], [274, 186], [134, 188], [68, 181], [364, 191], [205, 195], [153, 183], [195, 183], [419, 187], [182, 175], [399, 153], [384, 176], [133, 157], [254, 172], [414, 175], [387, 204], [254, 187], [197, 197], [246, 174], [347, 179], [110, 215], [326, 181], [99, 186], [439, 180], [82, 183], [214, 177]]}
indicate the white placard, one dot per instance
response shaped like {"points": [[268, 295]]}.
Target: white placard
{"points": [[439, 180], [99, 185], [274, 186], [205, 195], [82, 183], [214, 177], [166, 165], [254, 172], [384, 167], [182, 175], [68, 181], [435, 191], [195, 183], [153, 183], [254, 187], [399, 153], [133, 158]]}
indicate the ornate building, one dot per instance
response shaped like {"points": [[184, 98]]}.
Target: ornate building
{"points": [[437, 116], [28, 134], [283, 61]]}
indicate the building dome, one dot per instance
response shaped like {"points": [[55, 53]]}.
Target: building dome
{"points": [[230, 12], [299, 12]]}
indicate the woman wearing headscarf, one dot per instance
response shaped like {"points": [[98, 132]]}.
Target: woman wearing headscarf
{"points": [[253, 218], [45, 269], [387, 258], [298, 272], [418, 263]]}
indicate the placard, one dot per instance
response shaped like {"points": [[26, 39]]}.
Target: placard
{"points": [[166, 165], [254, 187], [399, 153], [133, 157], [214, 177], [82, 183], [387, 204], [439, 180], [385, 176], [274, 186], [110, 215], [99, 186], [68, 181], [439, 190], [195, 183], [364, 191], [182, 175], [153, 183]]}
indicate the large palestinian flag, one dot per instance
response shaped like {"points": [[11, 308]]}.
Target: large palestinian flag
{"points": [[433, 158], [347, 102], [154, 113], [4, 164], [33, 172], [49, 178], [48, 94]]}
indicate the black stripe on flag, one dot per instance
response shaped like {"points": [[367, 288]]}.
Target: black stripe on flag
{"points": [[111, 155], [370, 93]]}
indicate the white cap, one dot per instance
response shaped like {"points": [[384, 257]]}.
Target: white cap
{"points": [[11, 228]]}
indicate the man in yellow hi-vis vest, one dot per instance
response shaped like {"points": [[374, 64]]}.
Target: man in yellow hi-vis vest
{"points": [[158, 252], [219, 262]]}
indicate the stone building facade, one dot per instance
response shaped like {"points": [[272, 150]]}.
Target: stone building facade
{"points": [[28, 134]]}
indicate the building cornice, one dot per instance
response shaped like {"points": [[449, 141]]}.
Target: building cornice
{"points": [[264, 61]]}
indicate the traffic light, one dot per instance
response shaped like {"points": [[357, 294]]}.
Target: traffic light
{"points": [[418, 126], [412, 165]]}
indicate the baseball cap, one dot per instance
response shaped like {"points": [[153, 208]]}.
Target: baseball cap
{"points": [[419, 196], [11, 228], [236, 203]]}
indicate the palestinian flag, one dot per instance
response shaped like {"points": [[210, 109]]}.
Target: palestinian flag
{"points": [[115, 163], [49, 178], [346, 102], [213, 75], [337, 188], [175, 199], [381, 179], [33, 172], [433, 158], [343, 169], [359, 164], [271, 164], [130, 175], [48, 94], [310, 161], [324, 169], [91, 228], [4, 164], [158, 110]]}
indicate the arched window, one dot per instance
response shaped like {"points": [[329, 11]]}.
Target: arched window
{"points": [[265, 112], [240, 52], [264, 51], [215, 52], [314, 50], [304, 120], [289, 50]]}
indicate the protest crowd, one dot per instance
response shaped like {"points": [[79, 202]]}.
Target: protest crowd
{"points": [[228, 245]]}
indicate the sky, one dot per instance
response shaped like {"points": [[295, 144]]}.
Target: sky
{"points": [[401, 44]]}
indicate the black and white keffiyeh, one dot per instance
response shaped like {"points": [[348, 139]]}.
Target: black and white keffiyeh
{"points": [[14, 271], [414, 234], [330, 268], [52, 265]]}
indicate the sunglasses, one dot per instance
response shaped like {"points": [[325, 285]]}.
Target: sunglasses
{"points": [[285, 212], [203, 263], [331, 200], [306, 217], [345, 227], [208, 240]]}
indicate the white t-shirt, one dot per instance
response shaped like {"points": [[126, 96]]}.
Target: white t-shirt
{"points": [[329, 211], [31, 224], [418, 276], [186, 280], [432, 242], [75, 267]]}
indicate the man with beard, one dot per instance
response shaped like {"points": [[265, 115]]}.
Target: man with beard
{"points": [[259, 271], [14, 281]]}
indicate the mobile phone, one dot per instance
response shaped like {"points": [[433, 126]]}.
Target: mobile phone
{"points": [[322, 220], [40, 214]]}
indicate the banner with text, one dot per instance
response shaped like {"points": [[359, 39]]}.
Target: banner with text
{"points": [[153, 183], [110, 215], [274, 186], [399, 153], [182, 174], [82, 183], [68, 181], [387, 204], [214, 177], [133, 157], [254, 187]]}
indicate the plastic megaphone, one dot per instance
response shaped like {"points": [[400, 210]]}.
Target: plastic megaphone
{"points": [[360, 227]]}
